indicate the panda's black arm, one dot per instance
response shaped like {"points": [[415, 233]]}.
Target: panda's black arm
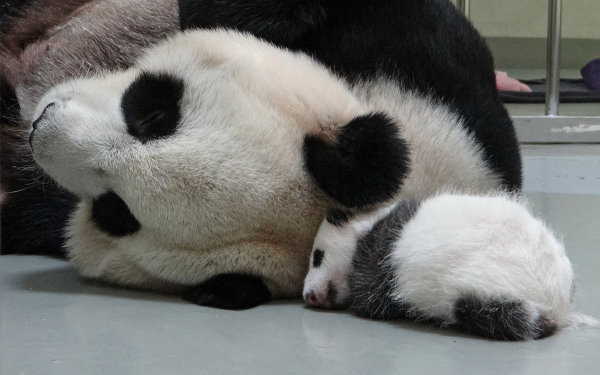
{"points": [[230, 291], [277, 21], [365, 166]]}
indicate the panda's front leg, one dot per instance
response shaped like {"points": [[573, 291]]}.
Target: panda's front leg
{"points": [[366, 164], [237, 276], [231, 291], [277, 21]]}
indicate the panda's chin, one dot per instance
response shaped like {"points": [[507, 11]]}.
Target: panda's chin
{"points": [[112, 216]]}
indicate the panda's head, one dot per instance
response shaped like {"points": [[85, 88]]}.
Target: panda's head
{"points": [[204, 129], [326, 284]]}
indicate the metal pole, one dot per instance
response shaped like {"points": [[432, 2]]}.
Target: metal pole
{"points": [[553, 57], [464, 6]]}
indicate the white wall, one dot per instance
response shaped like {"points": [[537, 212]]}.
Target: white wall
{"points": [[528, 18]]}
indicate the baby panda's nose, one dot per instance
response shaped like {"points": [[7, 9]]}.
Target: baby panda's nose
{"points": [[313, 299], [37, 121], [325, 300]]}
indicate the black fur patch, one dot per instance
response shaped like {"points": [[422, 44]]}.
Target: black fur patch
{"points": [[500, 319], [34, 217], [331, 293], [372, 277], [318, 256], [9, 105], [150, 106], [111, 215], [280, 21], [338, 217], [367, 164], [229, 291]]}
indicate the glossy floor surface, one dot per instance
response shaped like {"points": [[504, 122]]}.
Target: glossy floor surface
{"points": [[51, 322]]}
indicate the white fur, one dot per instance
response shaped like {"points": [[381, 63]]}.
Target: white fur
{"points": [[489, 247], [228, 192]]}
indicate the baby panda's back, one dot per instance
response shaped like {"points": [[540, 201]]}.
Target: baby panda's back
{"points": [[371, 281], [489, 247], [482, 263]]}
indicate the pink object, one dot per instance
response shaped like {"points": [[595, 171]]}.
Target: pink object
{"points": [[505, 83]]}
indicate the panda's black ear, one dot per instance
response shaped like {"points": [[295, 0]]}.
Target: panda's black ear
{"points": [[366, 165], [277, 21]]}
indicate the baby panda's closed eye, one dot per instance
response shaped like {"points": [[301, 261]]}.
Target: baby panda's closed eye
{"points": [[317, 258], [441, 260]]}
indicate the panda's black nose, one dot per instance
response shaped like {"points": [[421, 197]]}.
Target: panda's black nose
{"points": [[36, 122]]}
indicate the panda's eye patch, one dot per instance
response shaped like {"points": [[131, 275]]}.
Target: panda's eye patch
{"points": [[150, 106], [318, 256]]}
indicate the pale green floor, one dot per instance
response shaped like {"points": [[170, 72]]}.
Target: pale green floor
{"points": [[51, 322]]}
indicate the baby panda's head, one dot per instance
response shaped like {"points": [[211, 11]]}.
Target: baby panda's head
{"points": [[326, 284], [197, 140]]}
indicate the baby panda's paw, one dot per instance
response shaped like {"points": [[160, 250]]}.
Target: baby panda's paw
{"points": [[229, 291], [365, 166]]}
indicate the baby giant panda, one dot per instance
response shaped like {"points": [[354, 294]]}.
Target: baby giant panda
{"points": [[483, 264], [197, 167]]}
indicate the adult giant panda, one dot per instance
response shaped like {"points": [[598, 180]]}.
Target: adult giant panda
{"points": [[199, 169]]}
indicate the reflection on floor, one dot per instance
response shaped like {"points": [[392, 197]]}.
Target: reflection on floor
{"points": [[51, 322]]}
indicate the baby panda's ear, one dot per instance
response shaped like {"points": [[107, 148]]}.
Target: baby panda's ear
{"points": [[276, 21], [337, 217], [365, 165]]}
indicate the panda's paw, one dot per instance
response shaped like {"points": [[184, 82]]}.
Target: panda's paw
{"points": [[365, 166], [229, 291]]}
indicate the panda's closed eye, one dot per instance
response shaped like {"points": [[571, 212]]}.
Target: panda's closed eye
{"points": [[150, 106]]}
